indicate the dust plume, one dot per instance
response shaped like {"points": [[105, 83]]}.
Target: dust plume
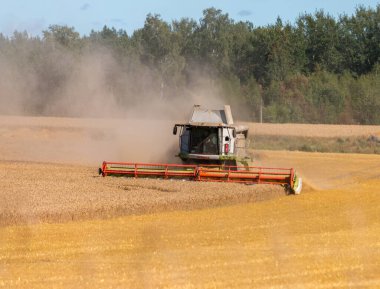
{"points": [[122, 109]]}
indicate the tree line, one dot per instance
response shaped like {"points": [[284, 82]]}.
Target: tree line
{"points": [[319, 69]]}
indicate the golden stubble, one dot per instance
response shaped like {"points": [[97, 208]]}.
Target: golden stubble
{"points": [[316, 240]]}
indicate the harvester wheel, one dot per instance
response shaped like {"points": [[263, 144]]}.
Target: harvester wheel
{"points": [[297, 186]]}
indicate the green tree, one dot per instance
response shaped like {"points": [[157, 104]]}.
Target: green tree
{"points": [[159, 49], [241, 51], [65, 36], [321, 32], [214, 39], [360, 40], [366, 98], [184, 31]]}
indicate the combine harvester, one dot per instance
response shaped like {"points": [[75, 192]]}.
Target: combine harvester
{"points": [[211, 147]]}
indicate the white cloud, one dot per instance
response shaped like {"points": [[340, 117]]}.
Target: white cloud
{"points": [[85, 6], [244, 13]]}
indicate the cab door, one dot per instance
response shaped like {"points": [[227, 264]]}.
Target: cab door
{"points": [[227, 141], [185, 140]]}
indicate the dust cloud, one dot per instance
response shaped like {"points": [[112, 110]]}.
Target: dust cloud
{"points": [[94, 107]]}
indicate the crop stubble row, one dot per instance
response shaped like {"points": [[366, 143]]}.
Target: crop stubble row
{"points": [[39, 192]]}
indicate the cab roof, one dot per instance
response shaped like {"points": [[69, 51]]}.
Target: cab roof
{"points": [[211, 117]]}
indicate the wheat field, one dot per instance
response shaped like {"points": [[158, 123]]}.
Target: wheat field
{"points": [[63, 226], [41, 192]]}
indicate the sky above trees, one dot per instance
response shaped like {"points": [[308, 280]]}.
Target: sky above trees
{"points": [[86, 15]]}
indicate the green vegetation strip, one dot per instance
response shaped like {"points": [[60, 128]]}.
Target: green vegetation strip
{"points": [[366, 145]]}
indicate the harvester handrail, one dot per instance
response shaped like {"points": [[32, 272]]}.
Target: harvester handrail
{"points": [[149, 164]]}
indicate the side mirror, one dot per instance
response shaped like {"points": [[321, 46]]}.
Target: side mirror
{"points": [[175, 130], [234, 133]]}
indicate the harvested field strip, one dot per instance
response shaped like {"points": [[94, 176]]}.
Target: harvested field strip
{"points": [[361, 144], [290, 129], [91, 141], [38, 192], [58, 123], [312, 130], [327, 239], [85, 141]]}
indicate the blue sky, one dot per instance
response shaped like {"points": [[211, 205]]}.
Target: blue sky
{"points": [[35, 16]]}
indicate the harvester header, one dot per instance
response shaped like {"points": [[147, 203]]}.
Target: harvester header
{"points": [[207, 173]]}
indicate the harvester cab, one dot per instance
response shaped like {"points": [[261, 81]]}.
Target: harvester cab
{"points": [[210, 136]]}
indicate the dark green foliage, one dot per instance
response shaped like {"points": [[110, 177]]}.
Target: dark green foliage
{"points": [[321, 33], [319, 69]]}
